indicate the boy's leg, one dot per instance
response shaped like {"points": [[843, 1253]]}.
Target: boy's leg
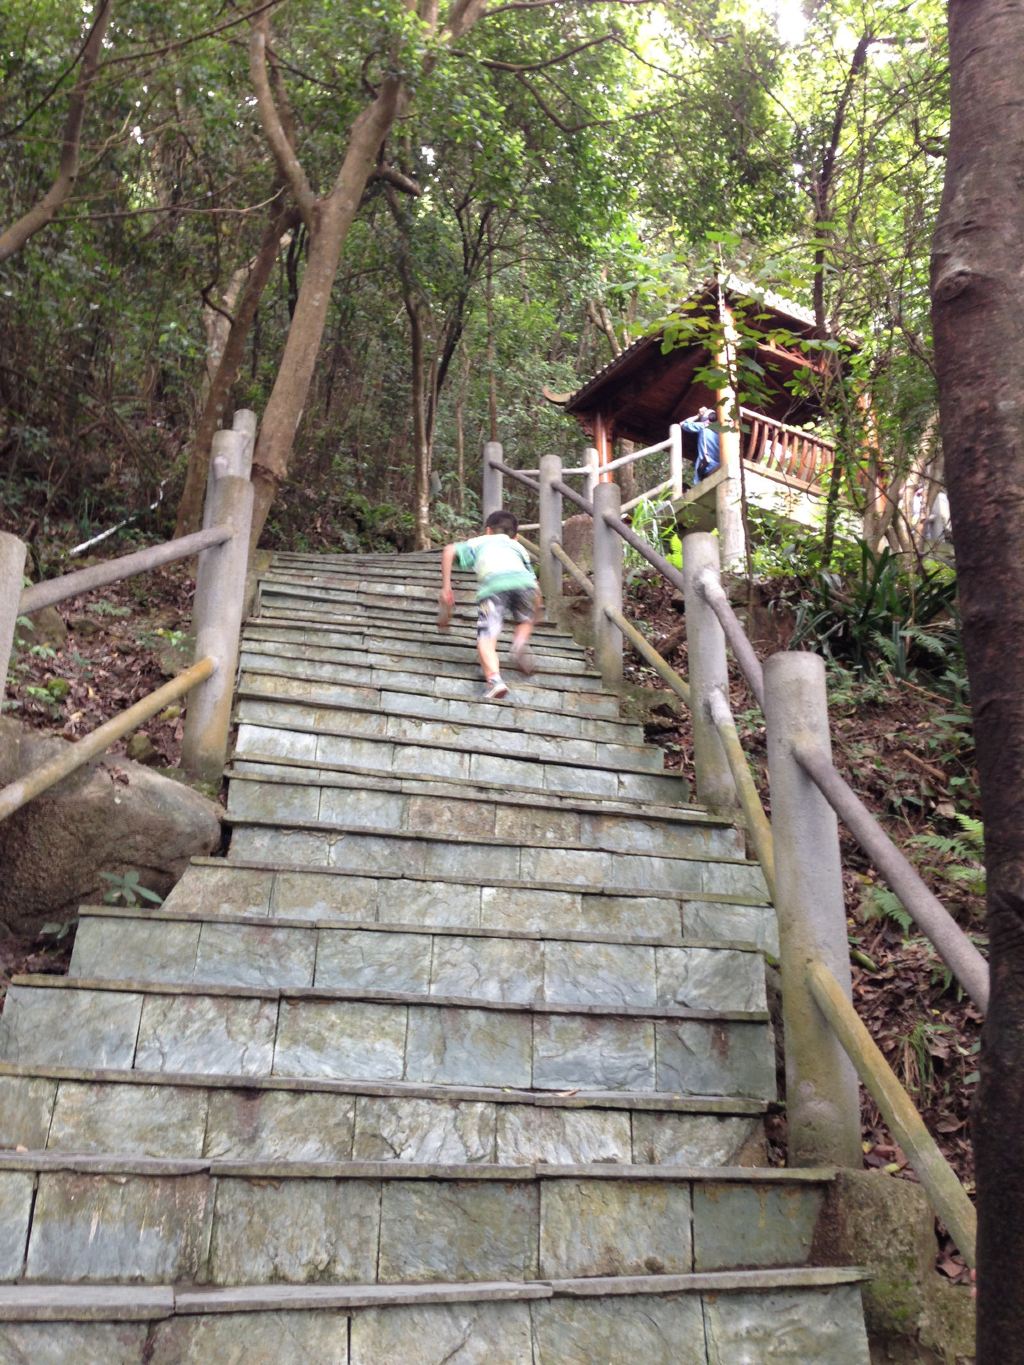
{"points": [[487, 652], [519, 653], [489, 621]]}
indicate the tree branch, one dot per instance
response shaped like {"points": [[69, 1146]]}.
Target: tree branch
{"points": [[284, 153], [67, 172]]}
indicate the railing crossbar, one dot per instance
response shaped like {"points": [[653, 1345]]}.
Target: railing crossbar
{"points": [[584, 504], [933, 919], [54, 590], [739, 642], [574, 570], [651, 493], [516, 474], [636, 455], [17, 794]]}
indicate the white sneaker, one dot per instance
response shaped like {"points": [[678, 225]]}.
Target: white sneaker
{"points": [[495, 690]]}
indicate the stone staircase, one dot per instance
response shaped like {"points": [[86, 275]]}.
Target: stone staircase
{"points": [[461, 1054]]}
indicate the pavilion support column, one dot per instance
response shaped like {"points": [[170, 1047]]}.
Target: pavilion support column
{"points": [[729, 491], [603, 443]]}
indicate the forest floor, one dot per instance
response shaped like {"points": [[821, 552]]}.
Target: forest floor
{"points": [[896, 743]]}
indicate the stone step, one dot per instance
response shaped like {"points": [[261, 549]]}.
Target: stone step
{"points": [[321, 737], [789, 1316], [385, 1035], [316, 665], [366, 849], [450, 666], [255, 794], [395, 604], [230, 1223], [251, 887], [219, 950], [512, 715], [419, 648], [247, 1118]]}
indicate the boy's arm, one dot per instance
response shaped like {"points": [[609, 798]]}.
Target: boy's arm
{"points": [[447, 560]]}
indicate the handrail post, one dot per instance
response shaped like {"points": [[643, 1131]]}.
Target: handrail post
{"points": [[228, 452], [708, 670], [491, 492], [550, 528], [593, 462], [607, 582], [217, 619], [821, 1083], [245, 424], [675, 459], [12, 571]]}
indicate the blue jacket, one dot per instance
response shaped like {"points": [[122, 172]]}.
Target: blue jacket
{"points": [[708, 450]]}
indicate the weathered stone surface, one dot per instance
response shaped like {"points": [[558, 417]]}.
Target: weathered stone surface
{"points": [[739, 923], [53, 851], [15, 1211], [614, 1227], [649, 915], [142, 1120], [416, 902], [264, 843], [459, 1230], [532, 826], [255, 955], [698, 1058], [710, 979], [345, 1039], [414, 760], [251, 1339], [87, 1343], [134, 950], [262, 739], [69, 1027], [203, 1034], [319, 895], [488, 969], [695, 1139], [576, 867], [598, 974], [588, 1052], [755, 1225], [222, 890], [430, 816], [279, 1125], [363, 808], [121, 1228], [296, 1231], [514, 908], [528, 1133], [649, 1329], [273, 801], [469, 1047], [354, 959], [735, 879], [26, 1104], [780, 1327], [423, 1130], [470, 862], [444, 1334]]}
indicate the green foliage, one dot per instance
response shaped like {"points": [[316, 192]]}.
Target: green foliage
{"points": [[125, 889]]}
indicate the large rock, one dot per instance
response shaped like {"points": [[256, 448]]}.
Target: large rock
{"points": [[111, 816]]}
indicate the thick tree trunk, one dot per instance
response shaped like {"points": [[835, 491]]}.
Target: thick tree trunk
{"points": [[420, 428], [190, 508], [330, 220], [42, 213], [978, 314]]}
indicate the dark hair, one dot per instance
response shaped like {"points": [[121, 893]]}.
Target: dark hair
{"points": [[505, 523]]}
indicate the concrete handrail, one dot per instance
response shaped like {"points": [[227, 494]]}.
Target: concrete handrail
{"points": [[749, 664], [948, 1196], [19, 793], [517, 474], [55, 590], [575, 572]]}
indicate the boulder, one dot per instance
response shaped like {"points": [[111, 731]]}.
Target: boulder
{"points": [[110, 816], [46, 627]]}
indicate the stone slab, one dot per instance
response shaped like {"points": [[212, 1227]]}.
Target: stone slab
{"points": [[652, 1330], [782, 1327], [86, 1343], [69, 1027], [469, 1047], [705, 1058], [26, 1105], [197, 1033], [251, 1339], [354, 960], [295, 1231], [278, 1125], [488, 969], [589, 1052], [255, 955], [16, 1191], [125, 949], [317, 895], [696, 1139], [444, 1334], [144, 1120], [120, 1228], [710, 979], [527, 1134], [614, 1227], [349, 1040], [599, 974], [459, 1230], [757, 1225], [394, 1129]]}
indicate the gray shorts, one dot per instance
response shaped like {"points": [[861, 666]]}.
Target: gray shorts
{"points": [[517, 605]]}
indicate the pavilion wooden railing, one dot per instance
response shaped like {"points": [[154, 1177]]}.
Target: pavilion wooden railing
{"points": [[789, 450], [223, 550], [827, 1047]]}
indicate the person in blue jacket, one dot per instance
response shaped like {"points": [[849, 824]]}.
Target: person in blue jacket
{"points": [[709, 455]]}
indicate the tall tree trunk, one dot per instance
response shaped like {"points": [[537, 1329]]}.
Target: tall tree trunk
{"points": [[420, 424], [329, 220], [42, 213], [190, 509], [978, 315]]}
